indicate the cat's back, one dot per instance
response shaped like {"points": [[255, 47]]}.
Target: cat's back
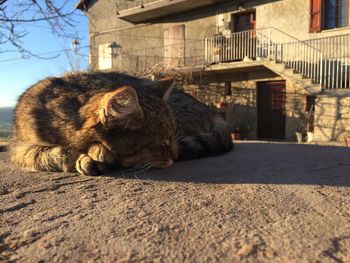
{"points": [[192, 116], [53, 106], [70, 91]]}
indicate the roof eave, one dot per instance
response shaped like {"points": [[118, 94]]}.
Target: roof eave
{"points": [[83, 5]]}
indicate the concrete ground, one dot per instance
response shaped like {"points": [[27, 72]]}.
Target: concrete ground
{"points": [[263, 202]]}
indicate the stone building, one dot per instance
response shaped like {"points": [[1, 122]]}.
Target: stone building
{"points": [[271, 67]]}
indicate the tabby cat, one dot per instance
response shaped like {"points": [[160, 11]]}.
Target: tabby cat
{"points": [[92, 122]]}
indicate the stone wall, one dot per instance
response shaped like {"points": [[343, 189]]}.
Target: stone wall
{"points": [[331, 112], [332, 117], [238, 105], [234, 101], [295, 111]]}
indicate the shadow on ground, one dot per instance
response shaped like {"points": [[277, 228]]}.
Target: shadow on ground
{"points": [[262, 163]]}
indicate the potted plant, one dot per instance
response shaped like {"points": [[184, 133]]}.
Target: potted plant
{"points": [[241, 131], [310, 125], [300, 133], [235, 134], [347, 141], [299, 136], [305, 132], [244, 129]]}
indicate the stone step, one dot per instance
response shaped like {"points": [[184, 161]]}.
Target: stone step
{"points": [[297, 78]]}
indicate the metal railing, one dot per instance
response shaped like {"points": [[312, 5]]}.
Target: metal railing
{"points": [[236, 47], [332, 47], [324, 61], [335, 73]]}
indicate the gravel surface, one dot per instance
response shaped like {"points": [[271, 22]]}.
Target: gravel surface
{"points": [[263, 202]]}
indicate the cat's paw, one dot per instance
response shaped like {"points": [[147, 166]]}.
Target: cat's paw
{"points": [[100, 153], [85, 165]]}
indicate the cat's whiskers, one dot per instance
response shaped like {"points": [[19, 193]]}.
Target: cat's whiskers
{"points": [[136, 170]]}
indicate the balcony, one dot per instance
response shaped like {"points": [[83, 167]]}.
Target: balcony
{"points": [[138, 11], [316, 60]]}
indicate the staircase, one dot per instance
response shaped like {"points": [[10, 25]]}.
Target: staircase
{"points": [[313, 65], [302, 83]]}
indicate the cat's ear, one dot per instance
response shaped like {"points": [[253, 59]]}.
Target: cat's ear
{"points": [[165, 86], [121, 108]]}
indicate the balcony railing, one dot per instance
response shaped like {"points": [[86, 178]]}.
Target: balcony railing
{"points": [[319, 60]]}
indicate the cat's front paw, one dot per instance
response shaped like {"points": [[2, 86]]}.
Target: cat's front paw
{"points": [[100, 153], [85, 165]]}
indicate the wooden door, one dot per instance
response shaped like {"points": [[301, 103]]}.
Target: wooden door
{"points": [[271, 109]]}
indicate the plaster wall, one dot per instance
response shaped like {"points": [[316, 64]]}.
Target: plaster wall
{"points": [[143, 44]]}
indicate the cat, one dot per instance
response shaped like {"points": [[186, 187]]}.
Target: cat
{"points": [[94, 122]]}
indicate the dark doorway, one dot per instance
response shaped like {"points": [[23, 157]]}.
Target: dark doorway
{"points": [[243, 21], [271, 102]]}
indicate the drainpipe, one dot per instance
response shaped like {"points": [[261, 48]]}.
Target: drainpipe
{"points": [[269, 45], [321, 71]]}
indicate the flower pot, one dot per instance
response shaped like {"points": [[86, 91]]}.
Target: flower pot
{"points": [[310, 136], [235, 136], [299, 137], [347, 141]]}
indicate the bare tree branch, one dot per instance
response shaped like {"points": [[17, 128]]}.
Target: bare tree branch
{"points": [[16, 14]]}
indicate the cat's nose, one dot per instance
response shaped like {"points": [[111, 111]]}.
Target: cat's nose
{"points": [[174, 151]]}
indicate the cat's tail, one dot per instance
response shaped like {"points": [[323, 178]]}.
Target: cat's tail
{"points": [[40, 158], [215, 142]]}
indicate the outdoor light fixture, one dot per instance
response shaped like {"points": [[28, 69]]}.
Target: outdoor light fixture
{"points": [[75, 44], [114, 49]]}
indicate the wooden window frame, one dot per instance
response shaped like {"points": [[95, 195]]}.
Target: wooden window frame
{"points": [[319, 24], [251, 12]]}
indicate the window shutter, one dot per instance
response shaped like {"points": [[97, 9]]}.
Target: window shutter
{"points": [[167, 48], [179, 52], [104, 56], [315, 13], [174, 46]]}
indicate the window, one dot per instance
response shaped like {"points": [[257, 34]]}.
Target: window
{"points": [[328, 14], [336, 13], [244, 22], [104, 56]]}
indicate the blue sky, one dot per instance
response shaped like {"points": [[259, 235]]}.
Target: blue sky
{"points": [[17, 74]]}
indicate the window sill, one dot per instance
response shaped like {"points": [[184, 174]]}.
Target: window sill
{"points": [[334, 30]]}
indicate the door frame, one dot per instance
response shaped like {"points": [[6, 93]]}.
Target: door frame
{"points": [[248, 11], [259, 84]]}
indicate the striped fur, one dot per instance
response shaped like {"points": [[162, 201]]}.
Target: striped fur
{"points": [[78, 123]]}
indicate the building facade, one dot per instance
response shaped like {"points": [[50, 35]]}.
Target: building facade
{"points": [[270, 67]]}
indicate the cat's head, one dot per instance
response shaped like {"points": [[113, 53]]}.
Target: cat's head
{"points": [[139, 126]]}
